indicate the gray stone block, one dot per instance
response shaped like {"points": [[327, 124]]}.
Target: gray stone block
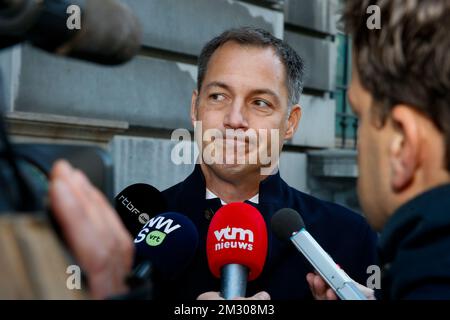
{"points": [[320, 59], [146, 160], [185, 26], [9, 77], [317, 125], [145, 92], [318, 15], [336, 163], [332, 176], [293, 169]]}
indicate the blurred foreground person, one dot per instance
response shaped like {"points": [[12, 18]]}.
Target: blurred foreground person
{"points": [[400, 91]]}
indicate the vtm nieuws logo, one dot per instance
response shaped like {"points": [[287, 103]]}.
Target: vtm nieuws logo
{"points": [[236, 238], [162, 225]]}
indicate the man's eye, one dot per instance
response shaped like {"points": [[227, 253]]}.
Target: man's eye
{"points": [[217, 97], [261, 103]]}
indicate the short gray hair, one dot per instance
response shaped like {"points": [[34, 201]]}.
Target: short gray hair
{"points": [[250, 36]]}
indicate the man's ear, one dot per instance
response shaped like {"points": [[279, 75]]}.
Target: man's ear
{"points": [[292, 121], [194, 106], [404, 149]]}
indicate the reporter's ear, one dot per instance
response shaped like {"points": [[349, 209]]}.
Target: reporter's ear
{"points": [[404, 147]]}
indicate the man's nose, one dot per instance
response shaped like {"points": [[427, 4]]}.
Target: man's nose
{"points": [[236, 117]]}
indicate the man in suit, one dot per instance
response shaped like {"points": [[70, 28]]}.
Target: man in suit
{"points": [[249, 82]]}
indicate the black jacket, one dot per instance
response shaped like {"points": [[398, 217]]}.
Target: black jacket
{"points": [[344, 234], [414, 249]]}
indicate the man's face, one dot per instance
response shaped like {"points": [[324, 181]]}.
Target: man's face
{"points": [[373, 156], [244, 90]]}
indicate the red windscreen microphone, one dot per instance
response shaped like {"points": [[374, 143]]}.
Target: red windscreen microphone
{"points": [[236, 247]]}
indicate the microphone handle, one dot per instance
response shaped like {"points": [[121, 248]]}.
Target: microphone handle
{"points": [[336, 278], [233, 281]]}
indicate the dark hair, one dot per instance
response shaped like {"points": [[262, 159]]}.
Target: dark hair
{"points": [[407, 59], [248, 36]]}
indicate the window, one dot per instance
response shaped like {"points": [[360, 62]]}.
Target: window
{"points": [[346, 122]]}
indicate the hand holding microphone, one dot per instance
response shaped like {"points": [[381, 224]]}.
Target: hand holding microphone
{"points": [[322, 291], [236, 247], [287, 224]]}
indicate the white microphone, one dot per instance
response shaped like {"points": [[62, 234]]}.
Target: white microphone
{"points": [[287, 224]]}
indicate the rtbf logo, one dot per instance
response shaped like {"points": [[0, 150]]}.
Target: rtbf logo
{"points": [[236, 238]]}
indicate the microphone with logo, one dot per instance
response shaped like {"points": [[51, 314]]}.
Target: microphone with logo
{"points": [[236, 247], [287, 224], [164, 248], [137, 204]]}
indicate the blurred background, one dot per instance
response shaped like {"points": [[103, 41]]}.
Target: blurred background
{"points": [[131, 110]]}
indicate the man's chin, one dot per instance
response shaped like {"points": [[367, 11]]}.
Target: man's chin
{"points": [[235, 168]]}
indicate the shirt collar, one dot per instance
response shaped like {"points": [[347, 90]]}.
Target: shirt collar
{"points": [[211, 195], [271, 190]]}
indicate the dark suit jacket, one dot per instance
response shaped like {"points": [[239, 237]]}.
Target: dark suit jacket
{"points": [[414, 249]]}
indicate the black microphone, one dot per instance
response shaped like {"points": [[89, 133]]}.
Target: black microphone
{"points": [[164, 248], [137, 204], [109, 32]]}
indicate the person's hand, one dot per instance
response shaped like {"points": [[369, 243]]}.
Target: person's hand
{"points": [[213, 295], [99, 241], [322, 291]]}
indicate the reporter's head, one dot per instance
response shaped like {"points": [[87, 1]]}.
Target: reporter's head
{"points": [[400, 91]]}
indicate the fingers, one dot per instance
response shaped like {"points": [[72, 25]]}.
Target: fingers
{"points": [[65, 203], [81, 225], [263, 295], [93, 230], [310, 280], [369, 293], [321, 291], [330, 295], [319, 288], [106, 216], [211, 295]]}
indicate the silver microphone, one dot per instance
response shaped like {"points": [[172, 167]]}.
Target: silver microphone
{"points": [[233, 281], [288, 224]]}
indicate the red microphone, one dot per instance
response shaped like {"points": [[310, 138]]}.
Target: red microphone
{"points": [[236, 247]]}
